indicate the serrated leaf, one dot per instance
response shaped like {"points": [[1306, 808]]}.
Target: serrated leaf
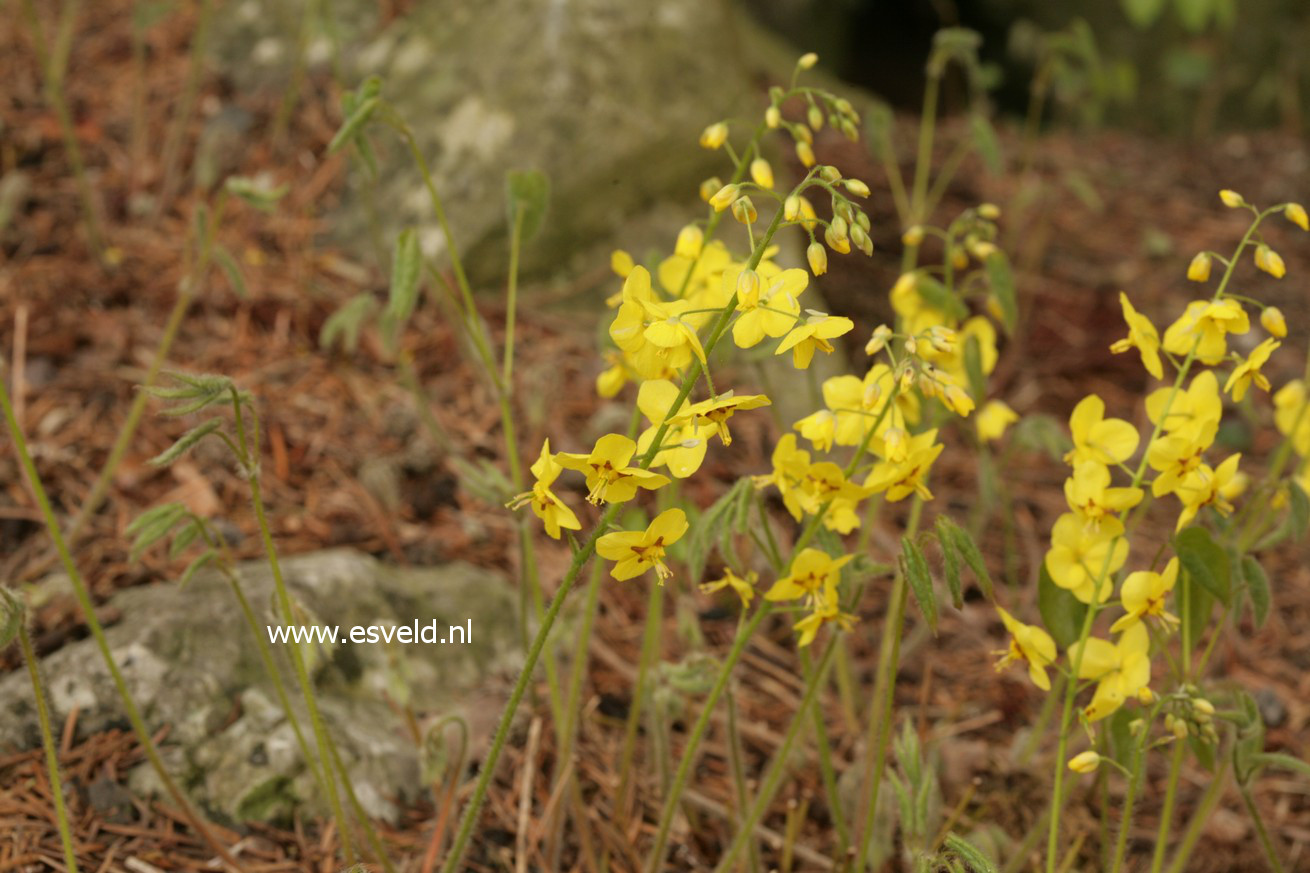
{"points": [[1001, 279], [232, 271], [152, 526], [915, 567], [1142, 13], [184, 538], [362, 111], [1062, 613], [984, 139], [1205, 561], [195, 566], [706, 530], [528, 192], [950, 563], [153, 514], [1257, 587], [406, 271], [968, 549], [970, 855], [346, 323], [185, 443]]}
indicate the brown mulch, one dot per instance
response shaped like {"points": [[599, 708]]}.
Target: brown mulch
{"points": [[86, 335]]}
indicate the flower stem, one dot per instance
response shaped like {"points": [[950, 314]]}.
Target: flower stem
{"points": [[48, 742], [1167, 813]]}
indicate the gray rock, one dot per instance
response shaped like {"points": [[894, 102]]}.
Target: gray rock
{"points": [[189, 661]]}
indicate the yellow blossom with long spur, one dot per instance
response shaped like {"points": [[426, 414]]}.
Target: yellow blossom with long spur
{"points": [[609, 477], [827, 611], [900, 479], [684, 445], [1029, 644], [1206, 324], [1248, 371], [813, 335], [628, 330], [1090, 496], [1080, 554], [743, 588], [769, 310], [699, 276], [854, 406], [993, 420], [1206, 486], [1193, 414], [1121, 670], [545, 505], [1142, 336], [790, 464], [1097, 438], [716, 411], [813, 574], [825, 482], [1144, 594], [636, 551]]}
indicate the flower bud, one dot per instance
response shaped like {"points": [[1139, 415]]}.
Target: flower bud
{"points": [[801, 133], [1272, 320], [989, 211], [805, 154], [830, 174], [911, 346], [744, 210], [762, 173], [859, 237], [1231, 198], [772, 117], [895, 444], [1085, 762], [709, 187], [849, 130], [809, 219], [862, 219], [856, 187], [748, 288], [690, 240], [839, 226], [984, 250], [1199, 269], [807, 61], [1295, 213], [1201, 705], [815, 117], [1270, 261], [942, 338], [840, 244], [865, 243], [818, 258], [791, 208], [913, 236], [714, 136], [881, 335], [621, 263], [724, 197]]}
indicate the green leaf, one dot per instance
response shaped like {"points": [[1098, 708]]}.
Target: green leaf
{"points": [[12, 615], [195, 566], [362, 111], [153, 525], [1205, 561], [915, 567], [1196, 605], [185, 443], [969, 854], [878, 124], [232, 271], [950, 563], [406, 271], [1001, 279], [707, 529], [1142, 13], [184, 538], [1300, 509], [1283, 762], [973, 368], [1194, 15], [528, 192], [968, 549], [984, 139], [1257, 586], [1040, 432], [1203, 750], [937, 295], [346, 322], [255, 192], [1122, 741], [1062, 613]]}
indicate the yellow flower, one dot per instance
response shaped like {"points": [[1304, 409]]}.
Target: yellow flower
{"points": [[716, 411], [690, 240], [1142, 336], [1080, 554], [1199, 269], [813, 335], [1295, 213], [817, 255], [609, 477], [993, 420], [1270, 261], [714, 136], [1096, 438], [684, 443], [824, 482], [636, 551], [628, 330], [1193, 414], [1289, 402], [621, 263], [696, 277], [790, 465], [1144, 594], [671, 329], [902, 478], [1089, 493], [813, 574], [1205, 324], [743, 588], [1271, 319], [1174, 458], [1121, 670], [545, 505], [854, 405], [1249, 371], [1029, 644], [825, 612], [1085, 762], [1209, 487], [769, 312]]}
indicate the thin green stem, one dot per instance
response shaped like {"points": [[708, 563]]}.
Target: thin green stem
{"points": [[1200, 816], [48, 743], [511, 306], [737, 764], [826, 770], [1266, 843], [1137, 771], [185, 106], [1167, 812], [650, 648], [83, 596]]}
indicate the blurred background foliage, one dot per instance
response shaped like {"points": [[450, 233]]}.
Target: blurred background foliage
{"points": [[1182, 67]]}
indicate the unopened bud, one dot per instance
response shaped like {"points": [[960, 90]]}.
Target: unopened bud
{"points": [[710, 187], [805, 154], [1231, 198], [856, 187], [807, 61], [830, 174], [772, 117], [913, 236], [690, 240], [748, 287], [1085, 762], [791, 208], [815, 117], [714, 136], [817, 255], [762, 173], [1270, 261], [1199, 269], [838, 243], [724, 197], [744, 210], [1203, 706], [1271, 319], [881, 335], [1295, 213], [911, 346], [989, 211]]}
